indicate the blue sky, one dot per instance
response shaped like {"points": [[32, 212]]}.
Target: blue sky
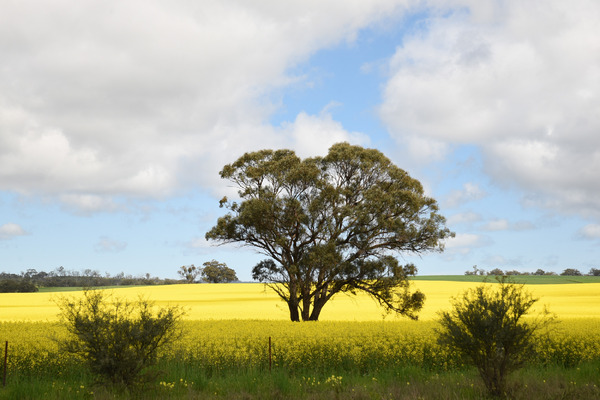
{"points": [[115, 118]]}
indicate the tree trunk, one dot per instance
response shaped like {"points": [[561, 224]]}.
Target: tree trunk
{"points": [[294, 314], [305, 307], [318, 302], [314, 315]]}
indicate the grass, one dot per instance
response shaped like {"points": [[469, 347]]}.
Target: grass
{"points": [[179, 382]]}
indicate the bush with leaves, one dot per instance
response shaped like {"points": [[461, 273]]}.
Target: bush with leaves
{"points": [[17, 286], [571, 272], [118, 339], [486, 326]]}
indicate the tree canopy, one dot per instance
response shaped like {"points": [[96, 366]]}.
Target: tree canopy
{"points": [[330, 225], [216, 272]]}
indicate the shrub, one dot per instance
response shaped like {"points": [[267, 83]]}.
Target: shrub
{"points": [[486, 327], [571, 272], [118, 339], [496, 271], [17, 286]]}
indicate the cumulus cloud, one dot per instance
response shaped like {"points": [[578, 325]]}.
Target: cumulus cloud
{"points": [[463, 218], [11, 230], [109, 98], [108, 245], [590, 231], [497, 225], [518, 79], [469, 192], [463, 243], [313, 134]]}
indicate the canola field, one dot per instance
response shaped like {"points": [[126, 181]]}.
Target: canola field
{"points": [[228, 326], [252, 301]]}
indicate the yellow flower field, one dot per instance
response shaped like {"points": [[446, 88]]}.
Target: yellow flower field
{"points": [[228, 326], [253, 301]]}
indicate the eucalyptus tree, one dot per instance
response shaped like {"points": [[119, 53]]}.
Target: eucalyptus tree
{"points": [[331, 225]]}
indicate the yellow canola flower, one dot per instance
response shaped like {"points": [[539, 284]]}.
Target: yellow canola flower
{"points": [[254, 301]]}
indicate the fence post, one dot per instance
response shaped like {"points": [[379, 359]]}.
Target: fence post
{"points": [[5, 364], [270, 354]]}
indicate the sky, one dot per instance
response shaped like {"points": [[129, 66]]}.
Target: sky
{"points": [[117, 116]]}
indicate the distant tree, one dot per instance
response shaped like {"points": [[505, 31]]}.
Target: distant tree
{"points": [[486, 326], [571, 272], [216, 272], [18, 285], [189, 272], [514, 272], [476, 271], [594, 272], [331, 225], [496, 271], [539, 271]]}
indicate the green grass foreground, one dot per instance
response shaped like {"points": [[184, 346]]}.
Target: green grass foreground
{"points": [[176, 381]]}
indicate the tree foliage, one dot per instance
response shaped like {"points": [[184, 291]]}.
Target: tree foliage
{"points": [[118, 339], [17, 285], [486, 326], [216, 272], [330, 225], [189, 272], [571, 272]]}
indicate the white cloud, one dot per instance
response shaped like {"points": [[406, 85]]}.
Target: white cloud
{"points": [[108, 245], [463, 243], [590, 231], [463, 218], [469, 192], [130, 98], [199, 243], [87, 203], [11, 230], [518, 79], [313, 134], [497, 225]]}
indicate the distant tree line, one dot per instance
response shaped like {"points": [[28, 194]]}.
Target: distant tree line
{"points": [[539, 271], [31, 279]]}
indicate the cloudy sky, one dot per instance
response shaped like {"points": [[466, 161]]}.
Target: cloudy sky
{"points": [[116, 116]]}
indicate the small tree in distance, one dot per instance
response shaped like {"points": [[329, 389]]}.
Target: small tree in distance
{"points": [[496, 271], [571, 272], [189, 273], [485, 325], [216, 272]]}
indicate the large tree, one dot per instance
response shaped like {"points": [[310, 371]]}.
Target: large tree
{"points": [[330, 225]]}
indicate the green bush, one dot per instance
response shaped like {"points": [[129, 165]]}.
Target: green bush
{"points": [[17, 286], [118, 339], [486, 327]]}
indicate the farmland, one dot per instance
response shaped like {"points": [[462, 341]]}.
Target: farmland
{"points": [[354, 349]]}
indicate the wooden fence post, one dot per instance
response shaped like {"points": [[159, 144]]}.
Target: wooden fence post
{"points": [[270, 355], [5, 364]]}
